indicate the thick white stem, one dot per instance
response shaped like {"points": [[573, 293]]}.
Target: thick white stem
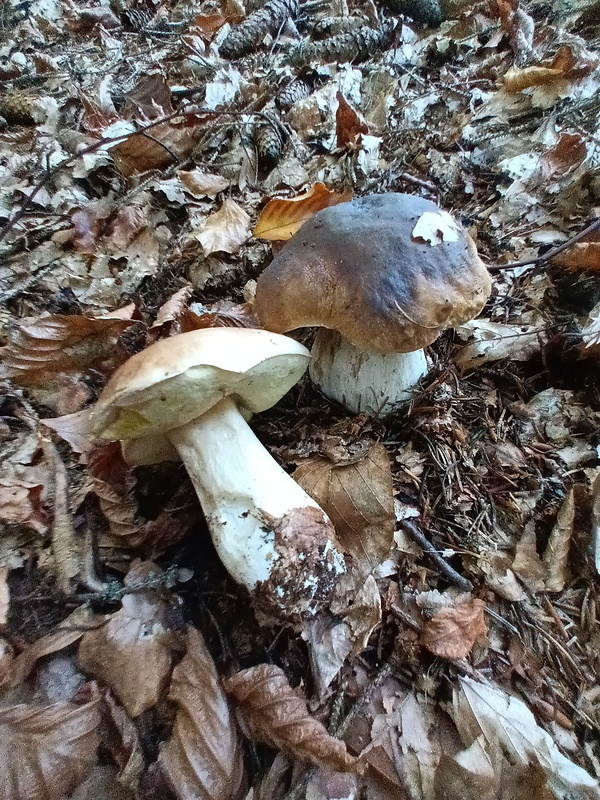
{"points": [[270, 535], [362, 380]]}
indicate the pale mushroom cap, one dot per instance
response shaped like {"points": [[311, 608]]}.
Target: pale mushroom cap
{"points": [[358, 269], [178, 379]]}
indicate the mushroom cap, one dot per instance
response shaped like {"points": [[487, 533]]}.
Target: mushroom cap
{"points": [[357, 268], [176, 380]]}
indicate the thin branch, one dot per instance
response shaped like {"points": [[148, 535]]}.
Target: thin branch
{"points": [[451, 574], [551, 253]]}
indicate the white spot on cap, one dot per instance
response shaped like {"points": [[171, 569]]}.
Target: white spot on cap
{"points": [[436, 227]]}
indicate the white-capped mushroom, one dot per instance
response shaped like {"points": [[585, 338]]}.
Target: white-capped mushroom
{"points": [[379, 291], [189, 394]]}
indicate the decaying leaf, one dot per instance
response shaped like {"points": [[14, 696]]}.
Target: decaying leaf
{"points": [[203, 758], [348, 124], [202, 184], [436, 227], [579, 256], [46, 750], [277, 715], [131, 651], [69, 631], [75, 429], [502, 722], [358, 497], [491, 341], [453, 631], [54, 346], [226, 230], [556, 554], [281, 219], [123, 743]]}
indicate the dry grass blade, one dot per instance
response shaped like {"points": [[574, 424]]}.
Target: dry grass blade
{"points": [[277, 715], [203, 757]]}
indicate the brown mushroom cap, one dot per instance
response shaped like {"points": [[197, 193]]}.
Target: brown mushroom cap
{"points": [[177, 380], [358, 269]]}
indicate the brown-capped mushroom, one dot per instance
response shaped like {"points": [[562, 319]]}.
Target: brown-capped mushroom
{"points": [[189, 394], [382, 276]]}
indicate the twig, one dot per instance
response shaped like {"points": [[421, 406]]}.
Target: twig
{"points": [[443, 566], [551, 253]]}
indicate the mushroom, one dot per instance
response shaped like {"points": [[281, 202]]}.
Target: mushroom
{"points": [[383, 276], [189, 394]]}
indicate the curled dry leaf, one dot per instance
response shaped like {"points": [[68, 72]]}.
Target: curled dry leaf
{"points": [[46, 750], [348, 124], [556, 554], [123, 743], [358, 498], [281, 219], [226, 230], [504, 725], [130, 652], [203, 758], [69, 631], [453, 631], [202, 184], [276, 715], [42, 349]]}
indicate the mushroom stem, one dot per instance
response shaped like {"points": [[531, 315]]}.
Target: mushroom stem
{"points": [[267, 531], [363, 380]]}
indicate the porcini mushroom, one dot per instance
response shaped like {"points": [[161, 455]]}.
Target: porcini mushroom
{"points": [[190, 392], [382, 276]]}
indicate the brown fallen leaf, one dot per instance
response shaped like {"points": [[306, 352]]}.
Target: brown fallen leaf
{"points": [[226, 230], [348, 124], [203, 758], [281, 219], [579, 256], [123, 743], [69, 631], [46, 750], [44, 350], [276, 715], [453, 631], [75, 429], [358, 498], [202, 184], [131, 651], [556, 555]]}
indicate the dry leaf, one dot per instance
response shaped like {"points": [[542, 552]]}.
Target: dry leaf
{"points": [[130, 652], [517, 80], [436, 227], [202, 184], [567, 154], [276, 715], [556, 554], [348, 124], [358, 498], [46, 750], [203, 758], [505, 724], [453, 631], [579, 256], [492, 341], [75, 429], [69, 631], [281, 219], [53, 346], [226, 230], [123, 743]]}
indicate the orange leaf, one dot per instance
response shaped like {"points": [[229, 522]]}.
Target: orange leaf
{"points": [[580, 256], [517, 80], [453, 631], [348, 124], [280, 219]]}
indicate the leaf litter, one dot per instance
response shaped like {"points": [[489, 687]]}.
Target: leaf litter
{"points": [[141, 194]]}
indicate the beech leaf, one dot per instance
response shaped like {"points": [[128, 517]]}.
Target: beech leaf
{"points": [[453, 631], [226, 230], [203, 758], [130, 652], [280, 219], [46, 750], [358, 498], [276, 715]]}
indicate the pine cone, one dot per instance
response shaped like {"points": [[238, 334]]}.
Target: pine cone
{"points": [[356, 46], [243, 38], [290, 94]]}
